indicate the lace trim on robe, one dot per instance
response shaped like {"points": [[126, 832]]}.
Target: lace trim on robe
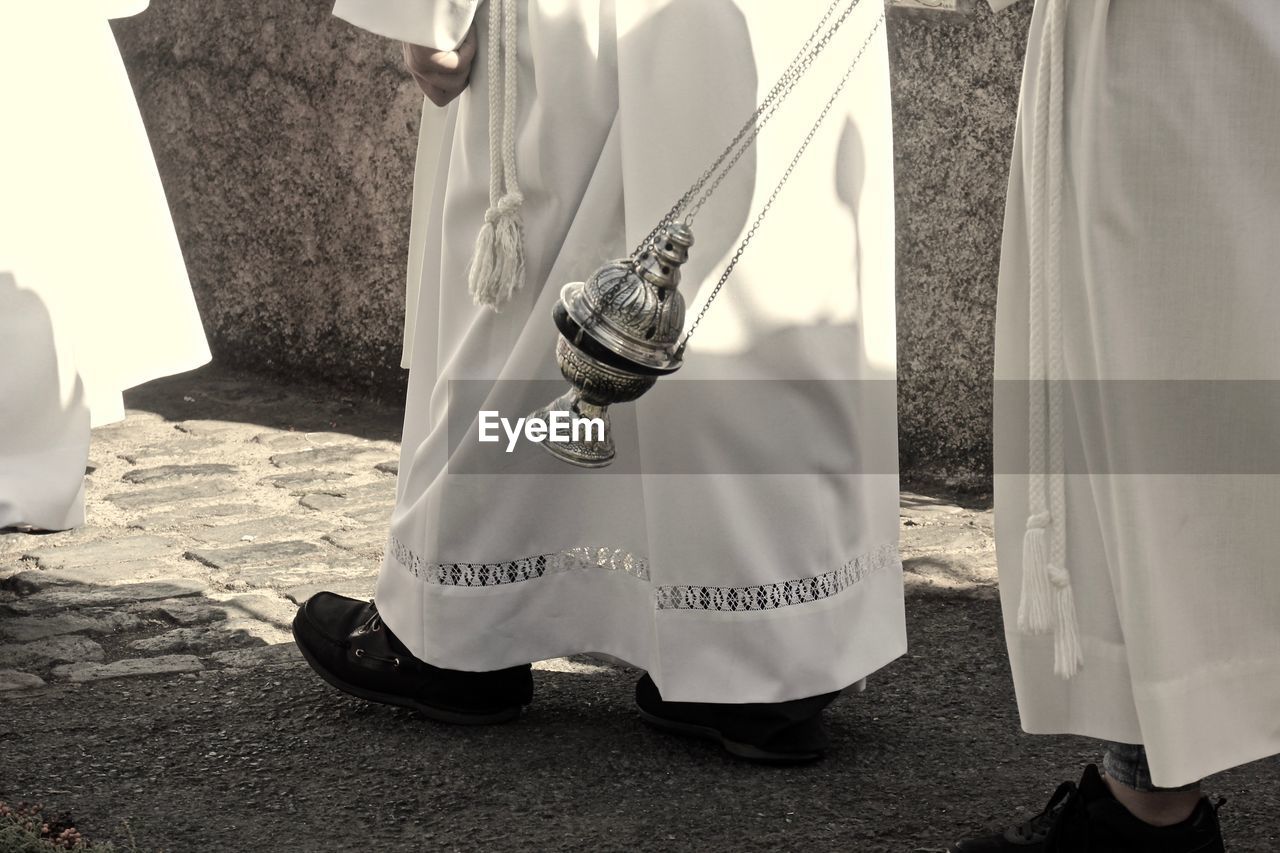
{"points": [[782, 594], [721, 598]]}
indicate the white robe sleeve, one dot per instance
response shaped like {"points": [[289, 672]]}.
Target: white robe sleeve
{"points": [[441, 24]]}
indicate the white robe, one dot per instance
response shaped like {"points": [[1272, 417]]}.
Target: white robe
{"points": [[725, 586], [94, 296], [1170, 190]]}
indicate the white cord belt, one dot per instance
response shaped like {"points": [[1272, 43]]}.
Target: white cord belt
{"points": [[1047, 602]]}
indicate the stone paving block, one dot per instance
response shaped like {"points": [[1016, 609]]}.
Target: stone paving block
{"points": [[27, 628], [360, 588], [12, 681], [130, 667], [308, 479], [179, 611], [372, 514], [42, 653], [218, 607], [94, 553], [25, 581], [176, 448], [264, 607], [170, 473], [254, 554], [74, 596], [362, 539], [275, 655], [109, 560], [382, 490], [185, 517], [254, 530], [165, 496], [345, 456], [221, 429], [207, 639], [280, 578], [323, 501], [300, 440], [112, 574], [392, 467]]}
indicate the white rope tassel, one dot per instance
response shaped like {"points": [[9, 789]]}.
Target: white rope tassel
{"points": [[1047, 599], [497, 267], [1034, 616]]}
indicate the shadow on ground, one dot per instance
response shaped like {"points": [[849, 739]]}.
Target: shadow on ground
{"points": [[267, 757], [226, 394]]}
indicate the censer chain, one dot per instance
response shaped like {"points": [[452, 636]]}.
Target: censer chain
{"points": [[801, 69], [746, 135], [764, 211]]}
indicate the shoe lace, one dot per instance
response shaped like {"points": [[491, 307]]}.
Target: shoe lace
{"points": [[372, 625]]}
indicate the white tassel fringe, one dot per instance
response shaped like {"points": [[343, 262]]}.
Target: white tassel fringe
{"points": [[497, 268], [1034, 608], [1067, 655]]}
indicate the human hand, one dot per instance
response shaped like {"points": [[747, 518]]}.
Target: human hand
{"points": [[441, 74]]}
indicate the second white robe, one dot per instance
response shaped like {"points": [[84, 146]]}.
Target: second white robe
{"points": [[727, 584]]}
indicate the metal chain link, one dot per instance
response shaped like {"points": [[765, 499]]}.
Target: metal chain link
{"points": [[790, 78], [755, 225], [781, 89]]}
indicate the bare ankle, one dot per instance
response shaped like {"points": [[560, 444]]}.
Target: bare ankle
{"points": [[1158, 808]]}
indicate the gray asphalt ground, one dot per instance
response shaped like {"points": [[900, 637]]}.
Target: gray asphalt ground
{"points": [[147, 684]]}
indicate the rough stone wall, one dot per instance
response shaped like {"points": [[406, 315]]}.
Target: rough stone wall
{"points": [[955, 97], [286, 138]]}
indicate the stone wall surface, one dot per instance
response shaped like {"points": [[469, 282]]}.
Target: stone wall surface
{"points": [[286, 139]]}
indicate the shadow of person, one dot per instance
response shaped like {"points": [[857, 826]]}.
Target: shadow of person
{"points": [[44, 420]]}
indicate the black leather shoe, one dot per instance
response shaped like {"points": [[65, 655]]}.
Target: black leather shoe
{"points": [[347, 644], [770, 733], [1086, 818]]}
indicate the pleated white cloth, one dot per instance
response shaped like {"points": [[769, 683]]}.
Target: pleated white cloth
{"points": [[94, 296], [725, 586], [1138, 276]]}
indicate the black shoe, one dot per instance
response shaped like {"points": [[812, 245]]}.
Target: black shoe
{"points": [[773, 733], [1086, 818], [347, 644]]}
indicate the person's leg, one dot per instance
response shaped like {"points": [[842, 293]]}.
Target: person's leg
{"points": [[1129, 779], [1122, 810]]}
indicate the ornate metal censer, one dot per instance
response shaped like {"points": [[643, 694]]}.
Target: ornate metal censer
{"points": [[619, 332], [622, 329]]}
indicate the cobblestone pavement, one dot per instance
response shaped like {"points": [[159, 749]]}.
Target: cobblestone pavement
{"points": [[222, 502], [147, 675]]}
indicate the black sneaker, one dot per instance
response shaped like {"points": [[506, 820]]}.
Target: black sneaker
{"points": [[347, 644], [771, 733], [1086, 818]]}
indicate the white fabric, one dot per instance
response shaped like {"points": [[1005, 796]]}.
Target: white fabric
{"points": [[94, 296], [497, 267], [1170, 191], [431, 134], [628, 104], [1048, 600], [441, 24]]}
